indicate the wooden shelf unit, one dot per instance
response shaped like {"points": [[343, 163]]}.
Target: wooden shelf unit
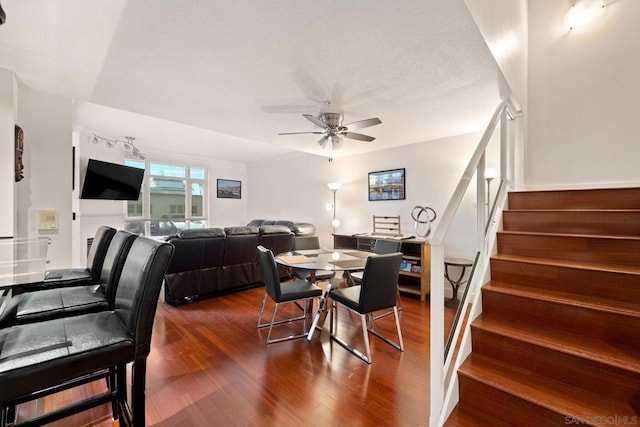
{"points": [[417, 251]]}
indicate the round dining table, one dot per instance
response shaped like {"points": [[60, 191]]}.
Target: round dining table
{"points": [[326, 260]]}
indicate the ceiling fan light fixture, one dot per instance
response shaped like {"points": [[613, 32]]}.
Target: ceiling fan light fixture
{"points": [[334, 131]]}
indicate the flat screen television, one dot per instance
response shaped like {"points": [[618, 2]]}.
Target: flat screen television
{"points": [[111, 181], [387, 185]]}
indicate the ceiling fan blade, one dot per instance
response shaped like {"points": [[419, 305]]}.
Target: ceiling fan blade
{"points": [[363, 123], [358, 136], [300, 133], [316, 121], [323, 141]]}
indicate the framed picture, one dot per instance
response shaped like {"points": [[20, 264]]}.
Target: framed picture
{"points": [[229, 189], [387, 185]]}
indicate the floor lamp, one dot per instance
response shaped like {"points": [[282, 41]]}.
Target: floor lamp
{"points": [[489, 175], [334, 186]]}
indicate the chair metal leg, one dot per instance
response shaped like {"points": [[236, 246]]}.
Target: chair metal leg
{"points": [[400, 344], [365, 335], [367, 326], [264, 301], [333, 335], [273, 322]]}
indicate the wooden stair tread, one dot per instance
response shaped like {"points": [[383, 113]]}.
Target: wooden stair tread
{"points": [[576, 300], [585, 210], [613, 268], [624, 357], [611, 198], [587, 236], [463, 416], [544, 392]]}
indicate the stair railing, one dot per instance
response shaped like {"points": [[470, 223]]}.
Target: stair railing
{"points": [[510, 159]]}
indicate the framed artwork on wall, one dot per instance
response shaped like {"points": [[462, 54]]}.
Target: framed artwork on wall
{"points": [[387, 185], [229, 189]]}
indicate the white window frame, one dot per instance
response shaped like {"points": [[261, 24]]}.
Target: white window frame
{"points": [[188, 180]]}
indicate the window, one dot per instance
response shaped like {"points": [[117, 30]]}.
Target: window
{"points": [[172, 198]]}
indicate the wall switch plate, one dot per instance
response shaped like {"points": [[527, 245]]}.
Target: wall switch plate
{"points": [[48, 219]]}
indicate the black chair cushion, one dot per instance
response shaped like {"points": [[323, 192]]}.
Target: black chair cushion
{"points": [[52, 303], [299, 289], [48, 353], [350, 297], [67, 275]]}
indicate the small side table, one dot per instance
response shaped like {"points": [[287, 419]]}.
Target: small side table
{"points": [[462, 263]]}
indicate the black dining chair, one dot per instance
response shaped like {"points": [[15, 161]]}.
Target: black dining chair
{"points": [[42, 358], [65, 277], [48, 304], [380, 247], [281, 293], [302, 243], [378, 291]]}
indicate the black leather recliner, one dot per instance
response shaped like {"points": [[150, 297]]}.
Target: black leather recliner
{"points": [[195, 269], [42, 358], [239, 263], [205, 263], [278, 239]]}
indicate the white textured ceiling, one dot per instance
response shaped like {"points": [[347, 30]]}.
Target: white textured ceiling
{"points": [[240, 72]]}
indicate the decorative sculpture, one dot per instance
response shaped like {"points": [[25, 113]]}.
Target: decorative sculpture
{"points": [[417, 216], [19, 141]]}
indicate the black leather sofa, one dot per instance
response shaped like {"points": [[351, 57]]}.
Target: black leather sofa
{"points": [[212, 261]]}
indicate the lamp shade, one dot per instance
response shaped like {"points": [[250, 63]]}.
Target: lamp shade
{"points": [[334, 186], [490, 173]]}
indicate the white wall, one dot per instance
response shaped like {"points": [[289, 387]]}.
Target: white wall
{"points": [[8, 96], [46, 122], [295, 188], [584, 94], [503, 25]]}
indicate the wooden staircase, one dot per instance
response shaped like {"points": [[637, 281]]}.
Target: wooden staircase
{"points": [[558, 340]]}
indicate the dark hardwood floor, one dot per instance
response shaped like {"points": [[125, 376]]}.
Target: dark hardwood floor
{"points": [[209, 366]]}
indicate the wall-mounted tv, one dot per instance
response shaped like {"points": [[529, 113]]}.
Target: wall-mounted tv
{"points": [[387, 185], [111, 181]]}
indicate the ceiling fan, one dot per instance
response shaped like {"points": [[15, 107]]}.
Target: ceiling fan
{"points": [[334, 131]]}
